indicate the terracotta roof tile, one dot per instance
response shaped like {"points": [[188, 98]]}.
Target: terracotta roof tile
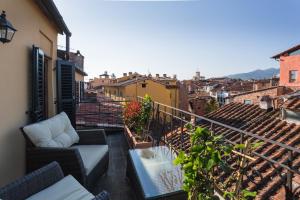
{"points": [[261, 176], [293, 104]]}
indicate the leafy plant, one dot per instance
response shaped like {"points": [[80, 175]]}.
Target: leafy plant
{"points": [[146, 109], [137, 115], [206, 156]]}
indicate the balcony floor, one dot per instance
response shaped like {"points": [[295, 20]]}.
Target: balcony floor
{"points": [[115, 181]]}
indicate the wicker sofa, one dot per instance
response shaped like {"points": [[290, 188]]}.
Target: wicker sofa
{"points": [[48, 183], [86, 160]]}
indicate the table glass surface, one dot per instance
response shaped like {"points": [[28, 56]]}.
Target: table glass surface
{"points": [[156, 172]]}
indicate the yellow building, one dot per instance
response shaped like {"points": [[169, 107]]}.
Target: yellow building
{"points": [[165, 92], [38, 23]]}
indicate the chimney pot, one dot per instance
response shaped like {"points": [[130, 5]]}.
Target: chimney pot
{"points": [[124, 74], [165, 75]]}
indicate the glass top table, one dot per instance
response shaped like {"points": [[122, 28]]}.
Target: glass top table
{"points": [[157, 175]]}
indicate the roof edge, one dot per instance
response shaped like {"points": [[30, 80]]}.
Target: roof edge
{"points": [[51, 11]]}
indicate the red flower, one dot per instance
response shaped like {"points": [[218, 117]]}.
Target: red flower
{"points": [[132, 114]]}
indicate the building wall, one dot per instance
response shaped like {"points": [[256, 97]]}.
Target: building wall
{"points": [[101, 81], [288, 63], [157, 91], [33, 28], [255, 96], [198, 106], [79, 77]]}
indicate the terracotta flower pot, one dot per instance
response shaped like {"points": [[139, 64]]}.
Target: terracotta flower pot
{"points": [[132, 141]]}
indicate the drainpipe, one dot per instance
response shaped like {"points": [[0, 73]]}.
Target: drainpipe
{"points": [[68, 46]]}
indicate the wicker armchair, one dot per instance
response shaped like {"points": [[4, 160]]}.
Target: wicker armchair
{"points": [[36, 182], [69, 159]]}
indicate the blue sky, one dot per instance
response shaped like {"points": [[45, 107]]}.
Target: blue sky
{"points": [[217, 37]]}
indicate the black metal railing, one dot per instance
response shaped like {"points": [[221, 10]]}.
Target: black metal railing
{"points": [[171, 123], [100, 113], [167, 126]]}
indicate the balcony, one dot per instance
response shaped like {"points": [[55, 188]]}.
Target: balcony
{"points": [[272, 170]]}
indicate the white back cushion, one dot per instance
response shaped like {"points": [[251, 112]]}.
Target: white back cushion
{"points": [[54, 132]]}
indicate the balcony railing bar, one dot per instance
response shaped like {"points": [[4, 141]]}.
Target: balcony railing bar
{"points": [[233, 128], [179, 115]]}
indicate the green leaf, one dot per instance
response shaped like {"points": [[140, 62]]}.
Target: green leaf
{"points": [[210, 164], [218, 138], [227, 149], [189, 126], [247, 193], [188, 165], [239, 146], [229, 195], [216, 156], [257, 144], [179, 159]]}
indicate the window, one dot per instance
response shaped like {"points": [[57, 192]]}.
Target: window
{"points": [[143, 85], [293, 76], [248, 101]]}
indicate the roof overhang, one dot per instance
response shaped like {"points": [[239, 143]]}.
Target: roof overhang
{"points": [[51, 11], [295, 48], [80, 71]]}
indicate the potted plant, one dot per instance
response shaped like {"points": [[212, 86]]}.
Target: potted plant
{"points": [[136, 117]]}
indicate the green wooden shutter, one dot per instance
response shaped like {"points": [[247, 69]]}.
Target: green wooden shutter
{"points": [[38, 85], [66, 89]]}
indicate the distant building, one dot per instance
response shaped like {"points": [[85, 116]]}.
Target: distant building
{"points": [[99, 83], [265, 83], [254, 97], [198, 104], [162, 89], [198, 76], [289, 67]]}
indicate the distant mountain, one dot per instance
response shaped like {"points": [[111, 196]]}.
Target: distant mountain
{"points": [[256, 74]]}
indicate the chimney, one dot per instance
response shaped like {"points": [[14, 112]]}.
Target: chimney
{"points": [[165, 75], [266, 102], [157, 75], [130, 73], [124, 74], [175, 76]]}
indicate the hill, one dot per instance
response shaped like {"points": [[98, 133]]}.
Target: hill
{"points": [[256, 74]]}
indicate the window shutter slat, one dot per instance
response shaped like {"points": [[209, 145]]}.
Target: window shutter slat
{"points": [[66, 89], [38, 91]]}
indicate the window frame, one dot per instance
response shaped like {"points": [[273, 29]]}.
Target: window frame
{"points": [[248, 101], [293, 80]]}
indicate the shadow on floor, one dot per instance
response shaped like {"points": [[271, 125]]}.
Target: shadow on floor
{"points": [[115, 181]]}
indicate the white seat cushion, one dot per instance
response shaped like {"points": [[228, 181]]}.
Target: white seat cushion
{"points": [[54, 132], [66, 189], [91, 155]]}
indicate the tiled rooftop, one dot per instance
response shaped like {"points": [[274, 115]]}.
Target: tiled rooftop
{"points": [[292, 104], [261, 176]]}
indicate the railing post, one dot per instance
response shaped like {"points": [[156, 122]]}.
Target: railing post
{"points": [[289, 178], [181, 130], [158, 121], [211, 127], [171, 129], [164, 123], [99, 111]]}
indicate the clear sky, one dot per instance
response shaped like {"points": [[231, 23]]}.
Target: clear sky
{"points": [[217, 37]]}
